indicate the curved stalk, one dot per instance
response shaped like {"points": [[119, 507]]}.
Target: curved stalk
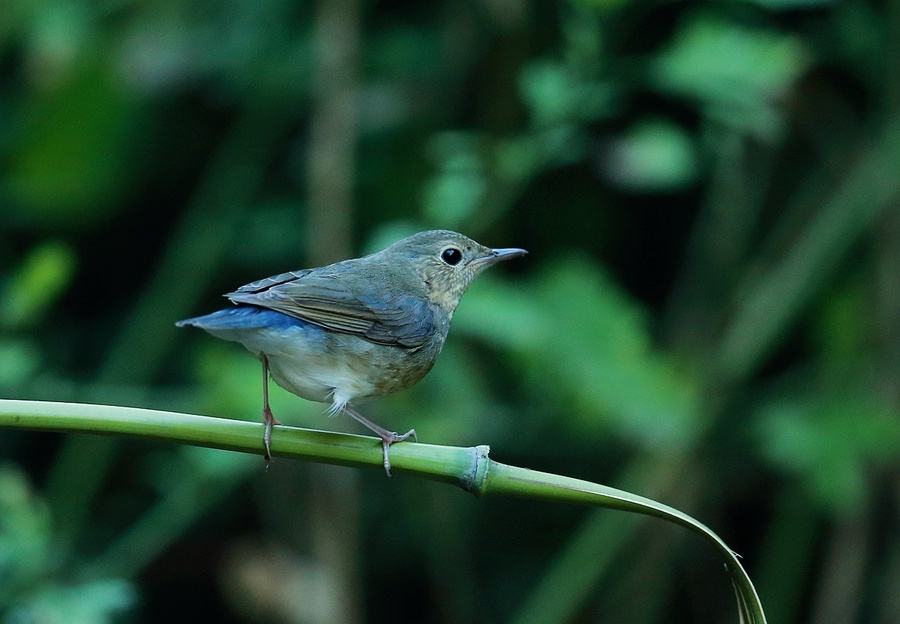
{"points": [[469, 468]]}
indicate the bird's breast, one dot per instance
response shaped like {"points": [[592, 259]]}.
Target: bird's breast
{"points": [[329, 366]]}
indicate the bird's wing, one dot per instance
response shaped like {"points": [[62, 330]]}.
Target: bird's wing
{"points": [[363, 307]]}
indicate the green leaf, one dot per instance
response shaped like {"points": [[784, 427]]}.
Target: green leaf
{"points": [[653, 155], [830, 442], [555, 94], [588, 344], [19, 359], [457, 189], [793, 5], [42, 277], [737, 74], [25, 532], [74, 157], [95, 602]]}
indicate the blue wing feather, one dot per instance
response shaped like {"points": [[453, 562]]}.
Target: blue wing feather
{"points": [[242, 317]]}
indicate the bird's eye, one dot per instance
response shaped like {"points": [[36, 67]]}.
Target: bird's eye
{"points": [[451, 256]]}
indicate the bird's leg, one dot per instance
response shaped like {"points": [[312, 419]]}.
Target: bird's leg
{"points": [[268, 418], [387, 437]]}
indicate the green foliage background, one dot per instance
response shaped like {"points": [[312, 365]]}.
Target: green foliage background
{"points": [[710, 314]]}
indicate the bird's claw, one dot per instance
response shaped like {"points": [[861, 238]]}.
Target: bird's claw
{"points": [[389, 439], [402, 438]]}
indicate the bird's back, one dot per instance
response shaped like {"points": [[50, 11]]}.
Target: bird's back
{"points": [[375, 299]]}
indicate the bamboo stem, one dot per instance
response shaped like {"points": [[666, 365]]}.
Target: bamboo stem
{"points": [[469, 468]]}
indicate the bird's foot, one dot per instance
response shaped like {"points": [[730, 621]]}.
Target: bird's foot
{"points": [[389, 438], [269, 420]]}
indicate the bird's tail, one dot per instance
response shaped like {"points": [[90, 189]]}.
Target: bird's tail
{"points": [[239, 317]]}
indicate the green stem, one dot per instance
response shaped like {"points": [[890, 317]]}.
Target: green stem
{"points": [[469, 468], [770, 300]]}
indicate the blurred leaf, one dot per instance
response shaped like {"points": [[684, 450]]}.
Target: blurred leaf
{"points": [[272, 233], [841, 328], [504, 315], [171, 469], [555, 95], [239, 47], [858, 36], [654, 155], [792, 5], [519, 158], [457, 386], [453, 196], [457, 190], [211, 465], [25, 532], [70, 164], [232, 386], [13, 18], [19, 359], [605, 360], [42, 277], [602, 362], [738, 74], [769, 299], [59, 34], [96, 602], [231, 381], [389, 233], [600, 4], [403, 51], [830, 442]]}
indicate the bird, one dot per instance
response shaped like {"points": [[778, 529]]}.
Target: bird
{"points": [[355, 329]]}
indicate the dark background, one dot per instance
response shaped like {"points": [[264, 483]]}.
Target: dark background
{"points": [[710, 313]]}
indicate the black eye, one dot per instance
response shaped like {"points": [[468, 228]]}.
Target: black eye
{"points": [[451, 256]]}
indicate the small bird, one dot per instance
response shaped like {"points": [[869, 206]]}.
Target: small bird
{"points": [[355, 329]]}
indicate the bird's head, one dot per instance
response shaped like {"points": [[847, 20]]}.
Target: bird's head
{"points": [[447, 262]]}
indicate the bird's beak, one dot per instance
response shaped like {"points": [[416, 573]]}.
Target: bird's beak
{"points": [[498, 255]]}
